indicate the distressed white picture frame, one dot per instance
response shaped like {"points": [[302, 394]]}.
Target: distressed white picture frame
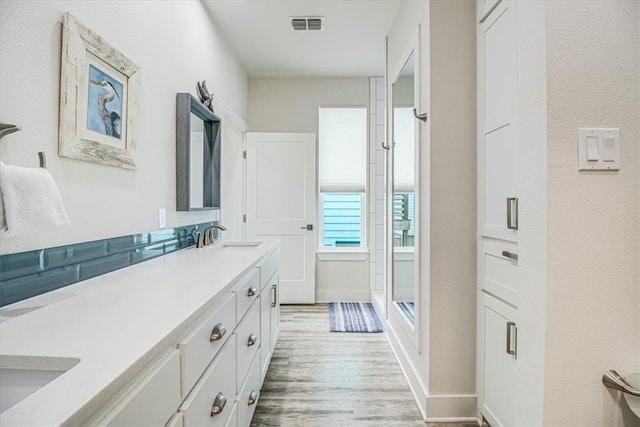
{"points": [[82, 48]]}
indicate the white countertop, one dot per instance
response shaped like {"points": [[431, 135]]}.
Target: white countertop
{"points": [[114, 323]]}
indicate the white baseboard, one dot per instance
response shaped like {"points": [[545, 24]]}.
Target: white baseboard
{"points": [[452, 408], [377, 299], [324, 296], [437, 409], [415, 385], [455, 420]]}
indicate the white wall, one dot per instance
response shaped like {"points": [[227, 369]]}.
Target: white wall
{"points": [[443, 367], [174, 43], [453, 200], [291, 105], [593, 293], [414, 361]]}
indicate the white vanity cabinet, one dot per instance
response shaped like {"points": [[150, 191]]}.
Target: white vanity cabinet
{"points": [[149, 399], [249, 394], [485, 7], [248, 342], [183, 351], [211, 401], [198, 348], [247, 292], [175, 421], [499, 361], [228, 345], [270, 310], [217, 355], [499, 182]]}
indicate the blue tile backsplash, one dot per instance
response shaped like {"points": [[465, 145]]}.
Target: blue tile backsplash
{"points": [[27, 274]]}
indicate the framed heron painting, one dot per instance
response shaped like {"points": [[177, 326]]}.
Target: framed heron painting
{"points": [[98, 99]]}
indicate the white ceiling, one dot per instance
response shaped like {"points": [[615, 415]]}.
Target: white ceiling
{"points": [[351, 45]]}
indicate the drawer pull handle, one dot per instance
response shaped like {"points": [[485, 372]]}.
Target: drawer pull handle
{"points": [[512, 213], [218, 332], [510, 255], [252, 291], [252, 340], [512, 337], [274, 295], [218, 404], [253, 397]]}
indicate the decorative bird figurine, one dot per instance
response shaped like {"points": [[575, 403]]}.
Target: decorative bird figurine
{"points": [[205, 97]]}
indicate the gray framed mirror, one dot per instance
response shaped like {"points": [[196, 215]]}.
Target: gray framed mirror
{"points": [[197, 155]]}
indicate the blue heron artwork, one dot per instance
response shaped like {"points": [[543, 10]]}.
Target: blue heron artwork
{"points": [[104, 103]]}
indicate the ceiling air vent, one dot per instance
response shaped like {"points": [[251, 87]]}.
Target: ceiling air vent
{"points": [[301, 23]]}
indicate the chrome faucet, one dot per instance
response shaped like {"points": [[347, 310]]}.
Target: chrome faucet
{"points": [[208, 233]]}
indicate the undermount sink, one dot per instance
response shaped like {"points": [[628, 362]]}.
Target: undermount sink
{"points": [[240, 245], [21, 376]]}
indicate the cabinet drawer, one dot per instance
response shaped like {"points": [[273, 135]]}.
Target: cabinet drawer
{"points": [[265, 327], [149, 400], [499, 270], [275, 312], [268, 267], [247, 291], [219, 378], [175, 421], [269, 322], [484, 8], [249, 395], [498, 365], [199, 347], [248, 342], [233, 418]]}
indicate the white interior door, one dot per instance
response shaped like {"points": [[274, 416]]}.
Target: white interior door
{"points": [[233, 190], [281, 202]]}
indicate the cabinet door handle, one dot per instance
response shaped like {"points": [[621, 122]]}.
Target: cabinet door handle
{"points": [[218, 404], [274, 295], [512, 213], [252, 340], [512, 339], [253, 397], [252, 291], [218, 332], [510, 255]]}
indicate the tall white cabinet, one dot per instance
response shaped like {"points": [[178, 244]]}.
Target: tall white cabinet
{"points": [[498, 210]]}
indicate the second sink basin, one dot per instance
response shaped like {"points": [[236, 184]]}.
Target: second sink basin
{"points": [[21, 376], [240, 245]]}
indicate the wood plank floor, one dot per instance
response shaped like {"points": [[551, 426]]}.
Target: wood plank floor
{"points": [[321, 378]]}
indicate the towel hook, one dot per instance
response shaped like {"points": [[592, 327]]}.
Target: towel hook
{"points": [[43, 159], [6, 129], [422, 116]]}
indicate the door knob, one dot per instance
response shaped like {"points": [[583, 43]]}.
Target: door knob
{"points": [[307, 227]]}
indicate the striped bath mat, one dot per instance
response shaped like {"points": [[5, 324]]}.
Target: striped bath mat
{"points": [[408, 310], [353, 317]]}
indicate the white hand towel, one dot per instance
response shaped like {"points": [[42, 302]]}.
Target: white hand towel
{"points": [[31, 200]]}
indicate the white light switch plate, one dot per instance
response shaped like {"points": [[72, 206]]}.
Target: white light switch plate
{"points": [[598, 149], [162, 218]]}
